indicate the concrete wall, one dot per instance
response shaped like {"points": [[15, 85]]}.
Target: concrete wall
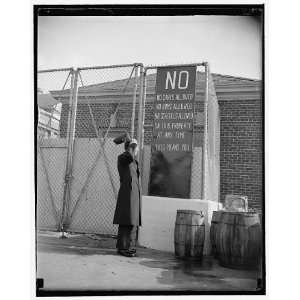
{"points": [[158, 220]]}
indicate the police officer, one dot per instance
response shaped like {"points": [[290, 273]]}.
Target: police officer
{"points": [[128, 209]]}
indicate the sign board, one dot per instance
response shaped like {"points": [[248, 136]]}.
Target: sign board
{"points": [[171, 152]]}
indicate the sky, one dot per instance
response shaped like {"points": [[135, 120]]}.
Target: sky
{"points": [[231, 44]]}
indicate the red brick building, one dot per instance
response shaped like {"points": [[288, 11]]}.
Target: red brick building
{"points": [[241, 118]]}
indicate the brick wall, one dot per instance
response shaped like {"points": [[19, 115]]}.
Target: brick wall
{"points": [[241, 154], [241, 150], [101, 113]]}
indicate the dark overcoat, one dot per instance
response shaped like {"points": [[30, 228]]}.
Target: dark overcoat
{"points": [[128, 208]]}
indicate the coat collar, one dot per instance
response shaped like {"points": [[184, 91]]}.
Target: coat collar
{"points": [[127, 153]]}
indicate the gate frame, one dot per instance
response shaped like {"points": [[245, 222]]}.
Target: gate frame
{"points": [[70, 148], [65, 220]]}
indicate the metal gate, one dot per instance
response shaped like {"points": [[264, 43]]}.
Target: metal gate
{"points": [[95, 181], [104, 103], [77, 178]]}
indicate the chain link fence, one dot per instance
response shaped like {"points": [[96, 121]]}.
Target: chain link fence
{"points": [[51, 150], [106, 108], [77, 177], [100, 104]]}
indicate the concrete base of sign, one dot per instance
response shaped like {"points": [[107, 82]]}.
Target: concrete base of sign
{"points": [[158, 220]]}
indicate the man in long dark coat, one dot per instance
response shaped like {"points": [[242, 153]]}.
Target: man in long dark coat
{"points": [[128, 208]]}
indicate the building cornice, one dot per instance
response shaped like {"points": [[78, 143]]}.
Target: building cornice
{"points": [[222, 95]]}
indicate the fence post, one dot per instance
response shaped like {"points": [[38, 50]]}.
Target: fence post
{"points": [[140, 116], [142, 122], [204, 145], [134, 99], [70, 152]]}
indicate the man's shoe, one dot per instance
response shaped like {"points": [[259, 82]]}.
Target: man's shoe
{"points": [[126, 253]]}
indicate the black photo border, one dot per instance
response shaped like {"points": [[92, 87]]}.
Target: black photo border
{"points": [[256, 10]]}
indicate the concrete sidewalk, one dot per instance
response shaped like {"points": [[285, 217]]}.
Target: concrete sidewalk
{"points": [[90, 262]]}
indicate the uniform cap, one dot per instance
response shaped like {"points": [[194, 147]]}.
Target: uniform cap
{"points": [[133, 141]]}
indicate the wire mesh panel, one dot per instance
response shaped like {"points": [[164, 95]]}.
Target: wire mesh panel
{"points": [[51, 149], [197, 175], [213, 144], [146, 168], [46, 211], [196, 181], [93, 202], [51, 162], [50, 105], [107, 107]]}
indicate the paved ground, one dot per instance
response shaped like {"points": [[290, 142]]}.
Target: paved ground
{"points": [[90, 262]]}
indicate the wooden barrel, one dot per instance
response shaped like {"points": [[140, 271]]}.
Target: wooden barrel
{"points": [[189, 234], [213, 231], [238, 240]]}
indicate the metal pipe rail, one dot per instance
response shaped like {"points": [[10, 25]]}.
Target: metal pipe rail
{"points": [[110, 66], [174, 65], [56, 70]]}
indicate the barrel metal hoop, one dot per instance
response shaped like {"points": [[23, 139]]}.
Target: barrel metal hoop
{"points": [[190, 224], [240, 225], [194, 212], [183, 243]]}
